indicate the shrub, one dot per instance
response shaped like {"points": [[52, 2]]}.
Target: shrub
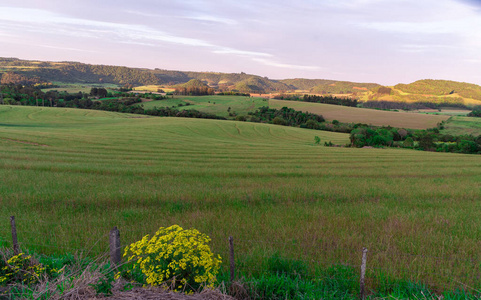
{"points": [[408, 143], [20, 268], [175, 256], [317, 140], [279, 121]]}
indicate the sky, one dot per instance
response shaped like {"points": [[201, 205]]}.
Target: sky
{"points": [[381, 41]]}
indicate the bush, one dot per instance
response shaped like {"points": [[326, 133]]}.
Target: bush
{"points": [[20, 268], [175, 256], [408, 143], [279, 121]]}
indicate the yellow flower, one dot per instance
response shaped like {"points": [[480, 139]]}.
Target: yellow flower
{"points": [[181, 257]]}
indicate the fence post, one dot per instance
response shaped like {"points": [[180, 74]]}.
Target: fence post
{"points": [[114, 239], [232, 261], [16, 248], [363, 273]]}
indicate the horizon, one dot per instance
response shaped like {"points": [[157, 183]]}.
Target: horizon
{"points": [[216, 72], [399, 41]]}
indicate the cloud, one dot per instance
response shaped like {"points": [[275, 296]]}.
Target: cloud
{"points": [[272, 63], [226, 50], [411, 27], [44, 21], [67, 48], [214, 19]]}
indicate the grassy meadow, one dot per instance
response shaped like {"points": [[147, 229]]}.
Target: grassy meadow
{"points": [[78, 87], [217, 105], [70, 175], [458, 125], [346, 114]]}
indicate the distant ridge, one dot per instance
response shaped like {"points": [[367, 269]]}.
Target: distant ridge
{"points": [[18, 71], [76, 72]]}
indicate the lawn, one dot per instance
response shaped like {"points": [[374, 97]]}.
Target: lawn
{"points": [[70, 175], [363, 115]]}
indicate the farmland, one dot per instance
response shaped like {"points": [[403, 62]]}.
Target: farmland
{"points": [[458, 125], [218, 105], [71, 175], [362, 115]]}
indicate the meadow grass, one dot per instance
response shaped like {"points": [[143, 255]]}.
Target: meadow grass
{"points": [[218, 105], [70, 175], [458, 125], [445, 111], [78, 87], [363, 115]]}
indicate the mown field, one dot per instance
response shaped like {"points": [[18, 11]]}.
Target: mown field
{"points": [[363, 115], [70, 175], [218, 105]]}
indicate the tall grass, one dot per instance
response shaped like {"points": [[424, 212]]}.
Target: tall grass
{"points": [[69, 176]]}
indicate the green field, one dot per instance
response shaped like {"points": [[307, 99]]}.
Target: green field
{"points": [[363, 115], [213, 104], [445, 111], [70, 175], [78, 87]]}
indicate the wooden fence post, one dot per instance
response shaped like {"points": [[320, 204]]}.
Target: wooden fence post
{"points": [[363, 273], [16, 248], [232, 261], [114, 239]]}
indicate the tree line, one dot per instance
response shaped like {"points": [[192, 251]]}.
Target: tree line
{"points": [[427, 140]]}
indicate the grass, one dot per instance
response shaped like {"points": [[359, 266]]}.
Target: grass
{"points": [[445, 111], [363, 115], [78, 87], [218, 105], [458, 125], [69, 176]]}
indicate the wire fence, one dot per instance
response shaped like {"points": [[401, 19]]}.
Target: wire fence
{"points": [[257, 256]]}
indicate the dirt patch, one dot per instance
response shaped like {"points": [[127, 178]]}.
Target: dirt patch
{"points": [[359, 88]]}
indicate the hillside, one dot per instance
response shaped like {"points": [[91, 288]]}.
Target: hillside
{"points": [[23, 71], [322, 86], [19, 71], [441, 87], [438, 92]]}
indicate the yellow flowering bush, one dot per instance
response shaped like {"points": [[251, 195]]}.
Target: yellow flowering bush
{"points": [[174, 256], [20, 268]]}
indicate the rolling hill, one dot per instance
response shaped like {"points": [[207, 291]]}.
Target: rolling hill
{"points": [[70, 175]]}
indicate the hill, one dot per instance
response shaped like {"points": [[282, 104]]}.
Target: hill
{"points": [[438, 92], [441, 87], [17, 71], [322, 86]]}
